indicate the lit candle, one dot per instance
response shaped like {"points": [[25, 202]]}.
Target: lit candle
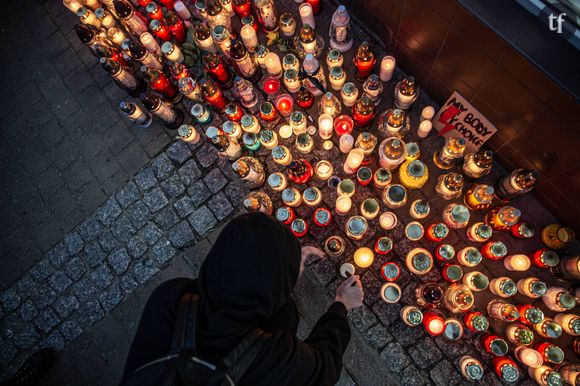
{"points": [[334, 58], [353, 160], [349, 94], [285, 131], [188, 134], [182, 10], [433, 323], [387, 68], [343, 205], [346, 143], [273, 65], [150, 43], [529, 356], [271, 86], [285, 104], [518, 262], [427, 113], [88, 17], [298, 123], [117, 35], [281, 155], [107, 20], [327, 145], [72, 5], [337, 78], [172, 52], [388, 220], [390, 292], [325, 126], [343, 124], [424, 129], [364, 257], [249, 37], [291, 81], [287, 24], [307, 15], [323, 170]]}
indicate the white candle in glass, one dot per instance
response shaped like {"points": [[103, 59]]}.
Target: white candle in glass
{"points": [[117, 35], [387, 68], [249, 37], [150, 43], [285, 131], [307, 15], [72, 5], [273, 65], [427, 113], [181, 10], [346, 143], [325, 126], [388, 220], [172, 52], [343, 205], [323, 170], [518, 262], [424, 129], [353, 160]]}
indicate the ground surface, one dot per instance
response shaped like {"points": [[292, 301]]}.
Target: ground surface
{"points": [[97, 212]]}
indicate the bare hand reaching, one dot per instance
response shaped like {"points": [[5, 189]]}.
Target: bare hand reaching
{"points": [[350, 293]]}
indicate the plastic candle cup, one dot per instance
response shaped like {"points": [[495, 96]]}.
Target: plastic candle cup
{"points": [[387, 68], [433, 323], [285, 131], [249, 37], [271, 86], [325, 123], [427, 113], [273, 65], [323, 170], [346, 143], [353, 161], [424, 129], [364, 257], [307, 14], [388, 220], [343, 205]]}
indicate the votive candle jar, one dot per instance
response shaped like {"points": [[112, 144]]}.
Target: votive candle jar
{"points": [[277, 181], [323, 170], [387, 68], [349, 94], [343, 205], [337, 77], [346, 143]]}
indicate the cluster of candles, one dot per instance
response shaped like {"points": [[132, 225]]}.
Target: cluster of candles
{"points": [[266, 101]]}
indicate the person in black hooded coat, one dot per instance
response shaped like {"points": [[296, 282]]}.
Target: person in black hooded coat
{"points": [[246, 282]]}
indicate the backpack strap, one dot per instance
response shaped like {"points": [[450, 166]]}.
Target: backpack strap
{"points": [[235, 364], [185, 324]]}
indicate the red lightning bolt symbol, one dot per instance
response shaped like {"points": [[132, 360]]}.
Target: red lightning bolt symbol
{"points": [[447, 115]]}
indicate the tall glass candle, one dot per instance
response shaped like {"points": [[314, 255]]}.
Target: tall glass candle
{"points": [[249, 37], [325, 126], [346, 143], [353, 160], [307, 15], [387, 68]]}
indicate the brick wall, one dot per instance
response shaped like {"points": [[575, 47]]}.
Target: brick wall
{"points": [[448, 49]]}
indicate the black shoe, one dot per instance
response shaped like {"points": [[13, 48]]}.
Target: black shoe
{"points": [[33, 369]]}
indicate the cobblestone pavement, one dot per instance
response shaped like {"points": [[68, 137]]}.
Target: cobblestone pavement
{"points": [[64, 147], [96, 213]]}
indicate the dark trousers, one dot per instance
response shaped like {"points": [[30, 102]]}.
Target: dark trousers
{"points": [[155, 331]]}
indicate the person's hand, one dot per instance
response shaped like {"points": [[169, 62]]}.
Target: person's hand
{"points": [[350, 293], [308, 250]]}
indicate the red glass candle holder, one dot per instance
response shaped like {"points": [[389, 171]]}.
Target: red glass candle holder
{"points": [[322, 217], [383, 245], [154, 11], [284, 104], [444, 252], [364, 176], [487, 250], [213, 95], [435, 232], [178, 71], [234, 112], [316, 6], [470, 320], [268, 112], [300, 171], [362, 119], [523, 230], [162, 85], [304, 98], [169, 4], [452, 273], [494, 345], [390, 271], [160, 30], [506, 369], [364, 68], [545, 258], [215, 67], [299, 227], [343, 124], [285, 215], [271, 86], [433, 323], [177, 28], [242, 8]]}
